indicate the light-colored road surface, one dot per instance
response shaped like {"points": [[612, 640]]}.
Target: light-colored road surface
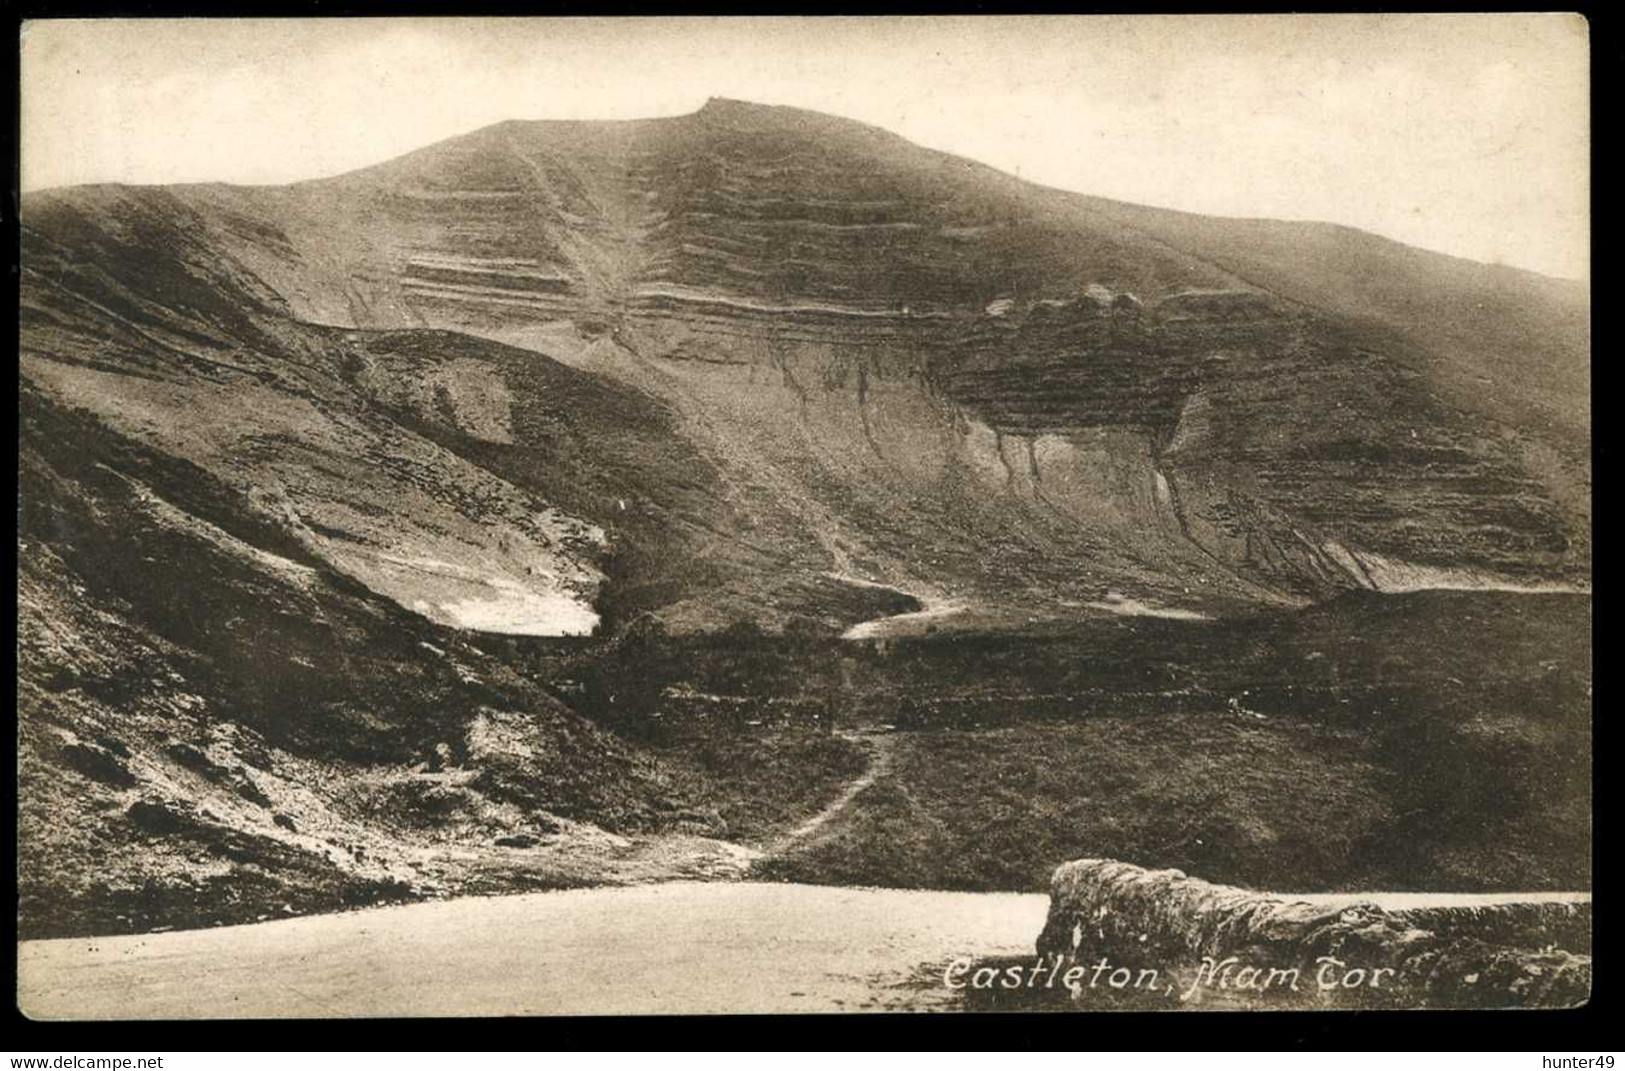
{"points": [[648, 949], [905, 624]]}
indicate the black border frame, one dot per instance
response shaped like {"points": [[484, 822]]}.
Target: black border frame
{"points": [[1559, 1031]]}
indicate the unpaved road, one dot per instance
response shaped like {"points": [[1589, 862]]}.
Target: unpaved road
{"points": [[650, 949], [905, 624], [933, 608]]}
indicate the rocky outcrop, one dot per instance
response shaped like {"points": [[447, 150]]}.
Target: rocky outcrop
{"points": [[1337, 950]]}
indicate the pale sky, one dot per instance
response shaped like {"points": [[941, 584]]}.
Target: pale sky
{"points": [[1467, 134]]}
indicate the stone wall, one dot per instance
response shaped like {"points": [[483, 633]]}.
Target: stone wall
{"points": [[1226, 941]]}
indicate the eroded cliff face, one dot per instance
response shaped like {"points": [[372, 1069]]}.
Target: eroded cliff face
{"points": [[849, 361]]}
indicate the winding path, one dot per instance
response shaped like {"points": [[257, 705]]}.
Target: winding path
{"points": [[879, 747]]}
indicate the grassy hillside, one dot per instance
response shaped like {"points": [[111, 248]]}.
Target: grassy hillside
{"points": [[213, 731], [1435, 741]]}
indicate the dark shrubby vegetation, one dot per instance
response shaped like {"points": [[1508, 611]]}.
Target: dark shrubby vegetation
{"points": [[1368, 743]]}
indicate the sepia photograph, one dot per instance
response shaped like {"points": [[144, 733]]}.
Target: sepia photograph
{"points": [[609, 516]]}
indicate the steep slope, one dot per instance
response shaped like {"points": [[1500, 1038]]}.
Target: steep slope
{"points": [[216, 726], [129, 314], [1510, 343], [884, 364]]}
